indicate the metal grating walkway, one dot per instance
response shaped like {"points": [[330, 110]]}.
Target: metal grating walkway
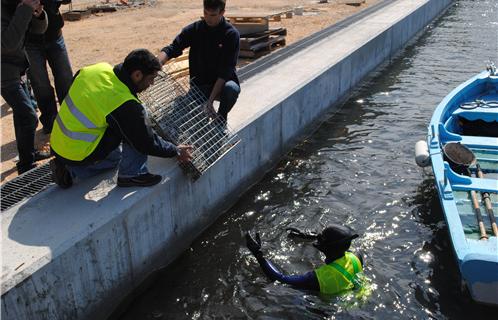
{"points": [[25, 186]]}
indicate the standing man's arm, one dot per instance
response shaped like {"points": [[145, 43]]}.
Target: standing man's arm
{"points": [[13, 32], [175, 49], [39, 23]]}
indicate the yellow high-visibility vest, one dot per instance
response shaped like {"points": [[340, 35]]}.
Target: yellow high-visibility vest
{"points": [[81, 121], [340, 275]]}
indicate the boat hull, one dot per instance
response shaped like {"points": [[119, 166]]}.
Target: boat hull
{"points": [[472, 103], [481, 277]]}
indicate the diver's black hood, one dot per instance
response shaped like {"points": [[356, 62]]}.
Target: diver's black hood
{"points": [[335, 240]]}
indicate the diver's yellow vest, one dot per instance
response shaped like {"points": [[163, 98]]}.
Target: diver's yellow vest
{"points": [[340, 275], [81, 122]]}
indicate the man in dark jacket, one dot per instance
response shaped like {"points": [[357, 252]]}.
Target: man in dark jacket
{"points": [[102, 123], [49, 47], [214, 50], [17, 18]]}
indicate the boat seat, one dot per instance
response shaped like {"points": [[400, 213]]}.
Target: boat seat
{"points": [[478, 113], [463, 183], [471, 141], [481, 142]]}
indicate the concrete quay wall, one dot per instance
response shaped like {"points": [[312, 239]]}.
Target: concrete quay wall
{"points": [[74, 254]]}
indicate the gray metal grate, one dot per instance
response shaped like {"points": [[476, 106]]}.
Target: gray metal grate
{"points": [[176, 109], [25, 186]]}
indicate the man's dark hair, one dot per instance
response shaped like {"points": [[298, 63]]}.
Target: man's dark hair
{"points": [[143, 60], [214, 4]]}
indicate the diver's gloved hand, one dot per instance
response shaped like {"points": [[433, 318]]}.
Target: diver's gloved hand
{"points": [[296, 233], [254, 244]]}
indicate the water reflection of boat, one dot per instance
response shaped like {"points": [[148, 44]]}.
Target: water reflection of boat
{"points": [[463, 141]]}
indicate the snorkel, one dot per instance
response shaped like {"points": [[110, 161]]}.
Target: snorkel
{"points": [[333, 241]]}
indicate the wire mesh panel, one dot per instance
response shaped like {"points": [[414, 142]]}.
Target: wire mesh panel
{"points": [[176, 108]]}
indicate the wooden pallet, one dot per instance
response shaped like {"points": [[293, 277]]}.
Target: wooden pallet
{"points": [[102, 8], [179, 66], [257, 17], [261, 48], [247, 41], [352, 2], [75, 15], [249, 27]]}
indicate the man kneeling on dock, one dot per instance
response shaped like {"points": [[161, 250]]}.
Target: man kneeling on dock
{"points": [[101, 123], [214, 50]]}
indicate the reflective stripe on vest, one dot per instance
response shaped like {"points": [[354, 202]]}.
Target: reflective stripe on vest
{"points": [[339, 275], [81, 121], [77, 114], [88, 137]]}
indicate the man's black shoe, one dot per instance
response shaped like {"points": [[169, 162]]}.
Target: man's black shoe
{"points": [[41, 155], [143, 180], [24, 168], [60, 174]]}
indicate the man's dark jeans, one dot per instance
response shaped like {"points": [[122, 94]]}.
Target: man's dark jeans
{"points": [[227, 98], [54, 52], [25, 122]]}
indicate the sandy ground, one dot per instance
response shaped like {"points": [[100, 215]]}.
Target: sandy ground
{"points": [[110, 36]]}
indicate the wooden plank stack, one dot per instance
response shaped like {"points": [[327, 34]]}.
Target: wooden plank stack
{"points": [[178, 67], [257, 44], [256, 36], [352, 2]]}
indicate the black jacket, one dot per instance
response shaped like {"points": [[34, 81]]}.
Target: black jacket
{"points": [[16, 21], [128, 123], [55, 22], [213, 51]]}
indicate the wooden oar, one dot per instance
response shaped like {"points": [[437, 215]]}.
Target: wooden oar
{"points": [[460, 159], [487, 203], [475, 203]]}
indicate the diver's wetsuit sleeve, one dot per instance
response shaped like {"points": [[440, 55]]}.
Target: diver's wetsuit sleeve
{"points": [[360, 256], [306, 281]]}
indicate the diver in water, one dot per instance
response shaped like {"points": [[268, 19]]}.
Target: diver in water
{"points": [[340, 273]]}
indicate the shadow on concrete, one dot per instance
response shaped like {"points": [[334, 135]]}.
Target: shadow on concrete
{"points": [[8, 172], [5, 110], [58, 217], [9, 150]]}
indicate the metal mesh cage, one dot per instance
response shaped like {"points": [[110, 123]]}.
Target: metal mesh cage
{"points": [[176, 108]]}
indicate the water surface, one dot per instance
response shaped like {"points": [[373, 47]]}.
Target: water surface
{"points": [[356, 169]]}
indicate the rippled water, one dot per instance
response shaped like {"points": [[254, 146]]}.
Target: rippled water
{"points": [[356, 169]]}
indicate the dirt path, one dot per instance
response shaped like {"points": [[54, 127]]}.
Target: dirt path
{"points": [[110, 36]]}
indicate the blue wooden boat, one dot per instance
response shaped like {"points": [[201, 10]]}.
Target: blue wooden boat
{"points": [[468, 118]]}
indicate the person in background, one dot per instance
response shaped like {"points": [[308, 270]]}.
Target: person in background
{"points": [[49, 47], [102, 124], [19, 17], [340, 273], [214, 50]]}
